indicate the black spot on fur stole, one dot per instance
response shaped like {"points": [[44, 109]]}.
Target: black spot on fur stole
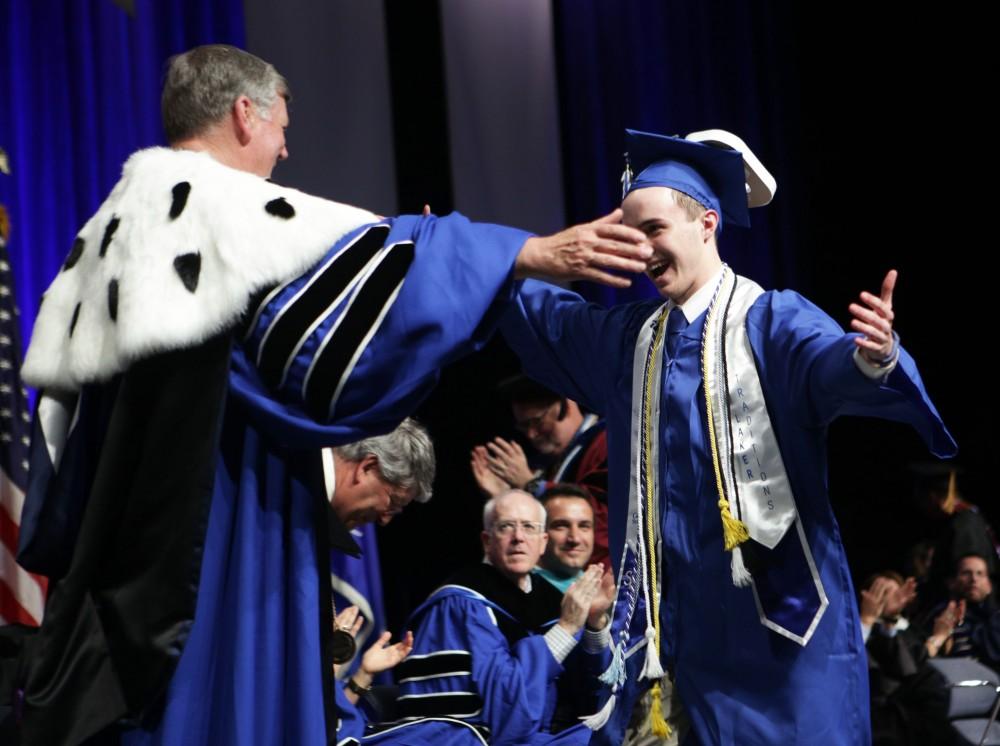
{"points": [[76, 316], [188, 268], [74, 254], [280, 209], [113, 300], [109, 233], [180, 192]]}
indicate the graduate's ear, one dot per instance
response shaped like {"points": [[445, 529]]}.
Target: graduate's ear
{"points": [[709, 222]]}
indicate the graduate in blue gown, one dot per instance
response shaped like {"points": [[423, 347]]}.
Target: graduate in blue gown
{"points": [[208, 333], [730, 567]]}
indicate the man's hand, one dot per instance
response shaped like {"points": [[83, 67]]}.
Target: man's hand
{"points": [[944, 625], [488, 482], [507, 460], [578, 599], [585, 252], [874, 321], [602, 601], [873, 601], [900, 598], [382, 656]]}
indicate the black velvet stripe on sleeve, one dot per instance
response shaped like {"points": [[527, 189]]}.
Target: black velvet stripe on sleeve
{"points": [[450, 663], [288, 328], [336, 357], [449, 704]]}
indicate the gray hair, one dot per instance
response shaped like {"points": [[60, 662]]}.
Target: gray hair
{"points": [[405, 457], [202, 84], [490, 509]]}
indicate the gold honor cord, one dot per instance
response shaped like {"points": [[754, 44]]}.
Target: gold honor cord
{"points": [[658, 723], [734, 531]]}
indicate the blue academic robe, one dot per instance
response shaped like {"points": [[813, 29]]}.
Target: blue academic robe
{"points": [[463, 667], [250, 667], [739, 682]]}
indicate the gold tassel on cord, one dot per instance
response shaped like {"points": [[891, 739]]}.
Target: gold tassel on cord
{"points": [[657, 722], [734, 531]]}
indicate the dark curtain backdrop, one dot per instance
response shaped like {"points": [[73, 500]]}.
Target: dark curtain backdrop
{"points": [[79, 91]]}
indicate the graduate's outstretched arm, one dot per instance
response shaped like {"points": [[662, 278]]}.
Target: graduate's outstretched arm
{"points": [[586, 252]]}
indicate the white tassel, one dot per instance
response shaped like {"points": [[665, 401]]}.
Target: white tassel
{"points": [[741, 576], [615, 672], [651, 668], [600, 718]]}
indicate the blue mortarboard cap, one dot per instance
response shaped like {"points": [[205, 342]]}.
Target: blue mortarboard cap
{"points": [[723, 176]]}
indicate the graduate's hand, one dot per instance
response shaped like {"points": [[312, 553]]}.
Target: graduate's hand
{"points": [[578, 598], [586, 252], [874, 321], [490, 484], [603, 599], [507, 461]]}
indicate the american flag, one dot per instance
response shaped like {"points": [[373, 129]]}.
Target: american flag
{"points": [[22, 594]]}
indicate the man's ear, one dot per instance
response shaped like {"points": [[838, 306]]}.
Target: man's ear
{"points": [[485, 537], [243, 115], [366, 468], [709, 222]]}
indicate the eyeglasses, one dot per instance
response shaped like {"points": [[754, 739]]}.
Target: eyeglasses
{"points": [[535, 423], [397, 501], [506, 528]]}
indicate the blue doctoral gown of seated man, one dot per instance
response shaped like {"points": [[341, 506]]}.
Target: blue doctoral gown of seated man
{"points": [[739, 682], [482, 672], [193, 601]]}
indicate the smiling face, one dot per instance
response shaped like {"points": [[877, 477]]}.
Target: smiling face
{"points": [[685, 256], [571, 535], [515, 549]]}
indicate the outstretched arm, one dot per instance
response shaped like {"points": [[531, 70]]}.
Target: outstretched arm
{"points": [[586, 252]]}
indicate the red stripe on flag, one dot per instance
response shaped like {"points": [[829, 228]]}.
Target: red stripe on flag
{"points": [[8, 531], [8, 535]]}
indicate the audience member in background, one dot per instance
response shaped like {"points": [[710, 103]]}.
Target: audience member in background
{"points": [[576, 443], [959, 529], [908, 698], [570, 526], [975, 613]]}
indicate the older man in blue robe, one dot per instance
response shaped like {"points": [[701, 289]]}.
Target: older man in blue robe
{"points": [[207, 334], [729, 562]]}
